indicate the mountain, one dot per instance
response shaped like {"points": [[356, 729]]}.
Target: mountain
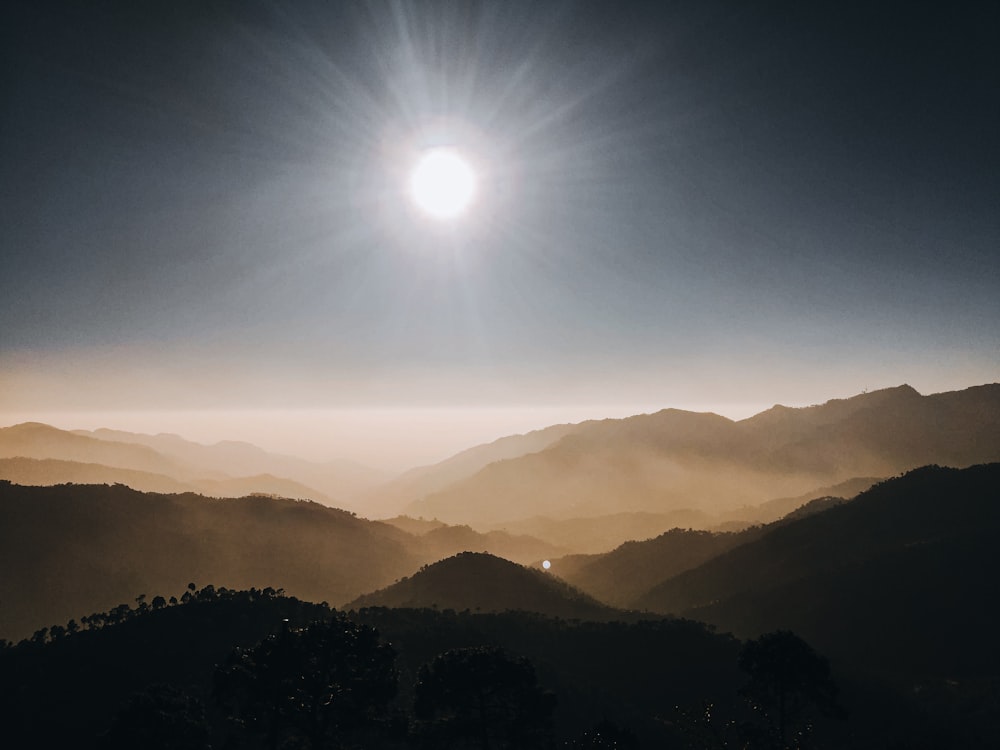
{"points": [[913, 556], [603, 533], [415, 526], [71, 549], [482, 582], [182, 646], [340, 479], [772, 510], [392, 496], [33, 471], [169, 463], [106, 665], [619, 577], [675, 459], [50, 471], [446, 541], [36, 440]]}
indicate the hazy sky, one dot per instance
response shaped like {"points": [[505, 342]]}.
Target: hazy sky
{"points": [[711, 205]]}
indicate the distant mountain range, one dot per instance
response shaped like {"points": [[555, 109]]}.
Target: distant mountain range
{"points": [[673, 460], [583, 487], [340, 479], [48, 471], [34, 453]]}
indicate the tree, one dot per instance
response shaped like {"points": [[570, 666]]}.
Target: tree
{"points": [[159, 718], [325, 684], [481, 697], [788, 682]]}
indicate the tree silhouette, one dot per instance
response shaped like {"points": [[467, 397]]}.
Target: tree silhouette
{"points": [[788, 681], [322, 684], [159, 718], [482, 698]]}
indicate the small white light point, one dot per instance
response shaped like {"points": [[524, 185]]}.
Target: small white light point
{"points": [[546, 564]]}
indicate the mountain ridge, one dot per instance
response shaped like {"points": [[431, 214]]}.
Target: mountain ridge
{"points": [[673, 459]]}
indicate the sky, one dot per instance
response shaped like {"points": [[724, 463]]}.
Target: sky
{"points": [[718, 206]]}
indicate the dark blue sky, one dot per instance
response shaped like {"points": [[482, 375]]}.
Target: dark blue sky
{"points": [[682, 203]]}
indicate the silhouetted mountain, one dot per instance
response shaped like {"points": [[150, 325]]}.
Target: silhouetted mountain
{"points": [[70, 549], [816, 505], [42, 472], [483, 582], [619, 577], [781, 507], [630, 570], [900, 579], [340, 480], [48, 471], [415, 526], [438, 540], [35, 440], [675, 459], [603, 533], [446, 541]]}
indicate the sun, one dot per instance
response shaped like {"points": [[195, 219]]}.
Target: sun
{"points": [[442, 183]]}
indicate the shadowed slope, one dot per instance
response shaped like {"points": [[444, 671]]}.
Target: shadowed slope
{"points": [[883, 579], [71, 549], [620, 576]]}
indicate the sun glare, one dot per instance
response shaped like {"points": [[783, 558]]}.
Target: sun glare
{"points": [[442, 183]]}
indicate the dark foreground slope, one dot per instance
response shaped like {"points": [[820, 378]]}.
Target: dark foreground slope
{"points": [[71, 549], [482, 582], [655, 678], [66, 692], [903, 579]]}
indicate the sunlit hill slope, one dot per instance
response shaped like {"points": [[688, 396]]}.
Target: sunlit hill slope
{"points": [[675, 459]]}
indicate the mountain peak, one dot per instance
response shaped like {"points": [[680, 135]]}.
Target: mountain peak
{"points": [[481, 581], [835, 409]]}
